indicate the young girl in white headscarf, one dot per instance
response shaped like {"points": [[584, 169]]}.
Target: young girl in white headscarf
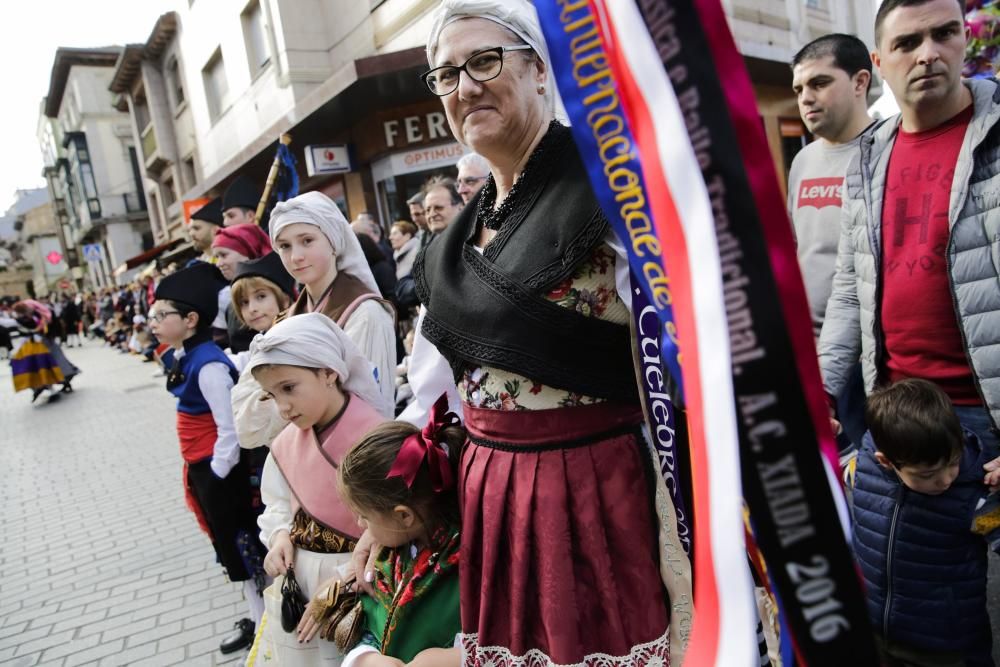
{"points": [[324, 387], [319, 250]]}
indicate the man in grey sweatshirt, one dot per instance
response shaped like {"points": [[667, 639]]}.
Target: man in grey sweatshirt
{"points": [[831, 78]]}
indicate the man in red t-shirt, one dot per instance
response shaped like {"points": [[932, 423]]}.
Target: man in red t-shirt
{"points": [[917, 293]]}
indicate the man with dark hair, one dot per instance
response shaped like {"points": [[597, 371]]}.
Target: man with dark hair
{"points": [[846, 51], [205, 224], [831, 77], [419, 217], [917, 288], [239, 202], [888, 6]]}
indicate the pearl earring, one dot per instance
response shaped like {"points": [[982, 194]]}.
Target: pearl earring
{"points": [[541, 89]]}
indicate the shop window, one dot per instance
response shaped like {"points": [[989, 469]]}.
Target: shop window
{"points": [[188, 177], [175, 86], [83, 173], [255, 37], [168, 192], [141, 109], [136, 202], [216, 85], [793, 139]]}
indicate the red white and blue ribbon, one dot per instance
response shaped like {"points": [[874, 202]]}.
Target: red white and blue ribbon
{"points": [[642, 84]]}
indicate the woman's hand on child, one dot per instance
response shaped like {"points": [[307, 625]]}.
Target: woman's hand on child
{"points": [[363, 560], [281, 555], [992, 478]]}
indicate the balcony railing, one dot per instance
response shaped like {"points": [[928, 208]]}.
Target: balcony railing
{"points": [[148, 142]]}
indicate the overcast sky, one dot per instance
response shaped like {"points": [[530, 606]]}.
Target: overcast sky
{"points": [[30, 32]]}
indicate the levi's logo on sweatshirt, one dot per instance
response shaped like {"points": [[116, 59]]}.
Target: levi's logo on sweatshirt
{"points": [[820, 192]]}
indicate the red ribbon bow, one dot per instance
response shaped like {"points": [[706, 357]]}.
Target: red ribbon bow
{"points": [[428, 444]]}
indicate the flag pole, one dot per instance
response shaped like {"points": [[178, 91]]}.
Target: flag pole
{"points": [[272, 176]]}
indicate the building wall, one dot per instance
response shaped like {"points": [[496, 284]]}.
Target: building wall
{"points": [[777, 29], [87, 107], [774, 31], [171, 170], [39, 236], [401, 24], [298, 35], [312, 44], [123, 241]]}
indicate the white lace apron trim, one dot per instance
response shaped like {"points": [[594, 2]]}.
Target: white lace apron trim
{"points": [[651, 654]]}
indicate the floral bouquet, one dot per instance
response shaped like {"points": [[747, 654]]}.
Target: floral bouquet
{"points": [[983, 52]]}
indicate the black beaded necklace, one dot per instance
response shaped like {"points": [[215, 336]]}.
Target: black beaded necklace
{"points": [[493, 218]]}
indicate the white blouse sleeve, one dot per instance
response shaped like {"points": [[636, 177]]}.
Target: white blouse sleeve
{"points": [[224, 299], [277, 497], [257, 419], [352, 656], [430, 376], [216, 384], [371, 329], [622, 282], [239, 359]]}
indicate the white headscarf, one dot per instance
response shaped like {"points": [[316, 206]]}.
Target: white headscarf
{"points": [[313, 340], [518, 16], [315, 208]]}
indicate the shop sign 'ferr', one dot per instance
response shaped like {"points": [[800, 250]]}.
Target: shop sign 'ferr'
{"points": [[415, 129]]}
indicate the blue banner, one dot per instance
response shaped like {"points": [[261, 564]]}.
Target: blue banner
{"points": [[612, 158]]}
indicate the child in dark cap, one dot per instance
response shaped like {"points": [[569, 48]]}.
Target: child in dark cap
{"points": [[216, 478]]}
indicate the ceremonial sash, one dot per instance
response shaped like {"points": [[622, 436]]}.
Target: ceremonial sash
{"points": [[656, 384], [721, 239]]}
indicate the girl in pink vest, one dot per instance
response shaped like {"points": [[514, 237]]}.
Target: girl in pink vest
{"points": [[325, 388]]}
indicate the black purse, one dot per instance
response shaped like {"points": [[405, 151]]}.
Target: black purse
{"points": [[293, 602]]}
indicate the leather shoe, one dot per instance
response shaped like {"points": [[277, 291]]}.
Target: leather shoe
{"points": [[241, 637]]}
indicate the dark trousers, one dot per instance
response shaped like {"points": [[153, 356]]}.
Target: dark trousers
{"points": [[851, 412], [227, 505], [900, 655]]}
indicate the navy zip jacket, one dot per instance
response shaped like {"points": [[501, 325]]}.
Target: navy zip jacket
{"points": [[923, 557]]}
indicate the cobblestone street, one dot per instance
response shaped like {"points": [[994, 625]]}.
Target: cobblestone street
{"points": [[102, 562]]}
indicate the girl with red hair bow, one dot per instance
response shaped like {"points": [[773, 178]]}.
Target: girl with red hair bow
{"points": [[401, 483]]}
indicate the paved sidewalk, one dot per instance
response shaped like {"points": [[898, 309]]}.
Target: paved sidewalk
{"points": [[101, 561]]}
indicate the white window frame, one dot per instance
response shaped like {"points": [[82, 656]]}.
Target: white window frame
{"points": [[216, 82], [255, 37]]}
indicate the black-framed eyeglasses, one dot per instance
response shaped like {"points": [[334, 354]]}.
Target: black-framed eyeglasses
{"points": [[471, 180], [163, 314], [481, 66]]}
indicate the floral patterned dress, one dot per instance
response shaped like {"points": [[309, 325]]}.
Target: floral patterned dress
{"points": [[591, 292]]}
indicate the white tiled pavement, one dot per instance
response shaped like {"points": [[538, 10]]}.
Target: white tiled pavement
{"points": [[101, 563]]}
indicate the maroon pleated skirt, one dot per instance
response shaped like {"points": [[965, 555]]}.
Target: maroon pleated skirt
{"points": [[559, 540]]}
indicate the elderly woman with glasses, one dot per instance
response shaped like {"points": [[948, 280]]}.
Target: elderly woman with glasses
{"points": [[563, 529]]}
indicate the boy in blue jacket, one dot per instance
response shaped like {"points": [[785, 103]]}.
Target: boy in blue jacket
{"points": [[922, 520]]}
